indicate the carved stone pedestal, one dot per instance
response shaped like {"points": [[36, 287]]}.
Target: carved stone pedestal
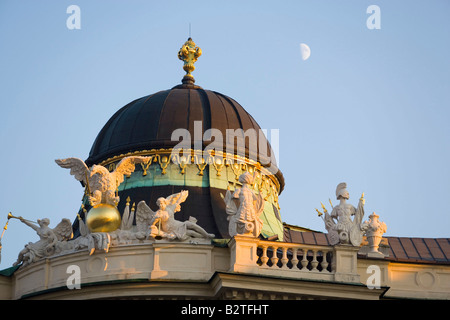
{"points": [[243, 255], [345, 264]]}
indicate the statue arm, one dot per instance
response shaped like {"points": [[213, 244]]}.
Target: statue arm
{"points": [[159, 216], [154, 219], [30, 224]]}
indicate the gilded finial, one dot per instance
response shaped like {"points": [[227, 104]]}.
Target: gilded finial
{"points": [[189, 53], [323, 207]]}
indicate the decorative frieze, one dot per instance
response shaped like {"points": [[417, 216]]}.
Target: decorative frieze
{"points": [[224, 166]]}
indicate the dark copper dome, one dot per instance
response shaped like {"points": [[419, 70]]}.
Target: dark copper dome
{"points": [[145, 127], [148, 122]]}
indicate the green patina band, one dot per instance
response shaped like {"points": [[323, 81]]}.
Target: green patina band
{"points": [[210, 179]]}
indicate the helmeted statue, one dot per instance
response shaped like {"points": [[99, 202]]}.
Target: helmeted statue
{"points": [[245, 219], [345, 230]]}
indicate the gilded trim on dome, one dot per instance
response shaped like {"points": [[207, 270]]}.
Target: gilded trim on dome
{"points": [[218, 160], [264, 181]]}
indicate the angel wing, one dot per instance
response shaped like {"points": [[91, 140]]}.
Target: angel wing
{"points": [[77, 168], [144, 216], [63, 230], [174, 201], [127, 166]]}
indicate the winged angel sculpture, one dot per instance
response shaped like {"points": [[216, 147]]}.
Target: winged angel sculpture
{"points": [[100, 183], [244, 219], [49, 239], [162, 223]]}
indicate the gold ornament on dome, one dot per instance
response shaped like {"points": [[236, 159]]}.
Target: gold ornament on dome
{"points": [[189, 53], [103, 218]]}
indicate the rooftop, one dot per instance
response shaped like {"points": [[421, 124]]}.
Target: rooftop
{"points": [[401, 249]]}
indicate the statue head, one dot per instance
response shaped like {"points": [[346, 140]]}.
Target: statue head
{"points": [[161, 203], [43, 222], [341, 191], [246, 177]]}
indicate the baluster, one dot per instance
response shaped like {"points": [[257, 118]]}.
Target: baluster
{"points": [[294, 259], [314, 262], [274, 258], [324, 263], [284, 259], [305, 260], [264, 257]]}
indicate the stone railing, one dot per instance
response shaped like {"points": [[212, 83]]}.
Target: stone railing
{"points": [[306, 258], [293, 260]]}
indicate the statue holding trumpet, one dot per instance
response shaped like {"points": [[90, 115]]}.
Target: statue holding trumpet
{"points": [[48, 238]]}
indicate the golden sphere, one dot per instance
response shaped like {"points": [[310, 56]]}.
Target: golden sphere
{"points": [[103, 218]]}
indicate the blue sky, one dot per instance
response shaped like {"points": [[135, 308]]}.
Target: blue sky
{"points": [[369, 107]]}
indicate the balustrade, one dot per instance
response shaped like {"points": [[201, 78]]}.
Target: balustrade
{"points": [[279, 255]]}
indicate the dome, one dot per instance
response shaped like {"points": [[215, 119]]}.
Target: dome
{"points": [[219, 141], [148, 123]]}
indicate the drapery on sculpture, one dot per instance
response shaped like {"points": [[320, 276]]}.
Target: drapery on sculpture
{"points": [[344, 230], [162, 224], [245, 219], [49, 239]]}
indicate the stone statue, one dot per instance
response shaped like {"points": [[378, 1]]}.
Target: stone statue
{"points": [[162, 224], [91, 240], [345, 230], [244, 220], [49, 238], [374, 230], [101, 185]]}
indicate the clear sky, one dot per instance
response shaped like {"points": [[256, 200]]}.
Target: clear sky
{"points": [[369, 107]]}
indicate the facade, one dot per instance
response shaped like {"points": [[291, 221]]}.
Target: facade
{"points": [[199, 218]]}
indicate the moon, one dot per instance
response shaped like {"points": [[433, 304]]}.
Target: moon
{"points": [[305, 51]]}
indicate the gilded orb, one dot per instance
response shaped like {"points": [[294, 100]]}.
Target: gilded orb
{"points": [[103, 218]]}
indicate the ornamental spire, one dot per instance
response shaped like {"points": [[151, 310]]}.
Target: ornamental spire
{"points": [[189, 53]]}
